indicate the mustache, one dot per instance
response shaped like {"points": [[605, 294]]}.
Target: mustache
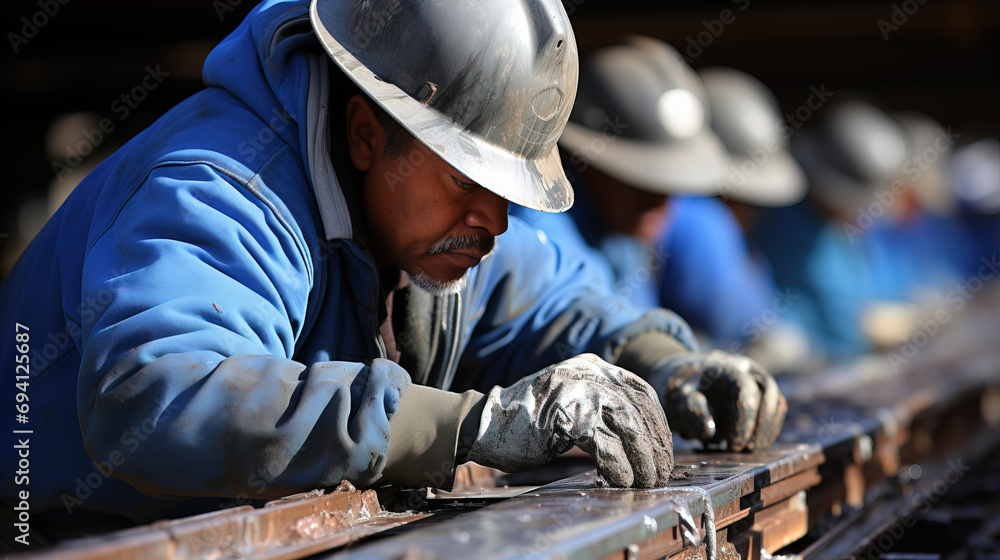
{"points": [[481, 243]]}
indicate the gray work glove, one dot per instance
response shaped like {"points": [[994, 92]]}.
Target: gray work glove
{"points": [[607, 411], [718, 397]]}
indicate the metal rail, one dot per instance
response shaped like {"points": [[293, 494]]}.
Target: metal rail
{"points": [[862, 449]]}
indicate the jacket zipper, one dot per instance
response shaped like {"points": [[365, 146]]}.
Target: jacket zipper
{"points": [[451, 352]]}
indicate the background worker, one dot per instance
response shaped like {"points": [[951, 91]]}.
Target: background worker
{"points": [[929, 248], [638, 140], [973, 174], [824, 248], [719, 280], [877, 247], [220, 295]]}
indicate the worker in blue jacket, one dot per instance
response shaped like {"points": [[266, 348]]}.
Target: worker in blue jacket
{"points": [[973, 175], [297, 276], [836, 250], [645, 162]]}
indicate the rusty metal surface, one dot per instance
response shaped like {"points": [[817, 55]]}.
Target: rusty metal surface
{"points": [[580, 517], [833, 457], [838, 468], [863, 528], [847, 436], [292, 527]]}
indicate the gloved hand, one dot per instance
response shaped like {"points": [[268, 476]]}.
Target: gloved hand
{"points": [[607, 411], [719, 397]]}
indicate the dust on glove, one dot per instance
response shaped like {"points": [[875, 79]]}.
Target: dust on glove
{"points": [[609, 412], [721, 397]]}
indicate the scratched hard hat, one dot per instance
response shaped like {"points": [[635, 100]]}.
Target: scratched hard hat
{"points": [[487, 86], [853, 149], [642, 117], [746, 116]]}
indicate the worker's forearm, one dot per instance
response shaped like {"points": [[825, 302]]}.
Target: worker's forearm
{"points": [[646, 352], [425, 436], [197, 424]]}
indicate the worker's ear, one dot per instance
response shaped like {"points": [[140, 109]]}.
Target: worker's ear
{"points": [[365, 136]]}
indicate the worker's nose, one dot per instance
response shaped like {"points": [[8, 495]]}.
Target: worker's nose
{"points": [[488, 211]]}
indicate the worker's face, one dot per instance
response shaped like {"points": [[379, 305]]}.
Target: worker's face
{"points": [[626, 209], [423, 215]]}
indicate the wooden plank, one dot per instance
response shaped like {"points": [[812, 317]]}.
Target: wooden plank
{"points": [[783, 523], [770, 495]]}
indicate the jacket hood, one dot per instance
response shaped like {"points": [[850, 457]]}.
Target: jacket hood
{"points": [[264, 64], [273, 63]]}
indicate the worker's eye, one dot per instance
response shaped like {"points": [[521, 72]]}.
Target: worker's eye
{"points": [[461, 183]]}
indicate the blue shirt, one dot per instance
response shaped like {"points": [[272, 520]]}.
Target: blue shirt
{"points": [[700, 268], [198, 331]]}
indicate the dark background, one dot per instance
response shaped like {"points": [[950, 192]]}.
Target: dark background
{"points": [[941, 60]]}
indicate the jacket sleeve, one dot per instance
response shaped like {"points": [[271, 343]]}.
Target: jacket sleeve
{"points": [[538, 302], [710, 278], [187, 386]]}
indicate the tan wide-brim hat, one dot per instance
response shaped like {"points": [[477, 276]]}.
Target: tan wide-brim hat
{"points": [[642, 117], [747, 118]]}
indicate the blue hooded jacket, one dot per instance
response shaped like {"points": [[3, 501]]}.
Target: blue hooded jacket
{"points": [[201, 331], [700, 267]]}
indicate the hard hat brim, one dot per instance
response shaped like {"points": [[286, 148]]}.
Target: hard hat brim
{"points": [[694, 166], [538, 184], [777, 181], [829, 185]]}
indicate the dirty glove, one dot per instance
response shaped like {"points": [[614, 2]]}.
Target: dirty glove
{"points": [[718, 397], [607, 411]]}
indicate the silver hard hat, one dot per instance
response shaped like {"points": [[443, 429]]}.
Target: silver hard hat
{"points": [[746, 116], [642, 117], [926, 170], [487, 86], [974, 174], [850, 151]]}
